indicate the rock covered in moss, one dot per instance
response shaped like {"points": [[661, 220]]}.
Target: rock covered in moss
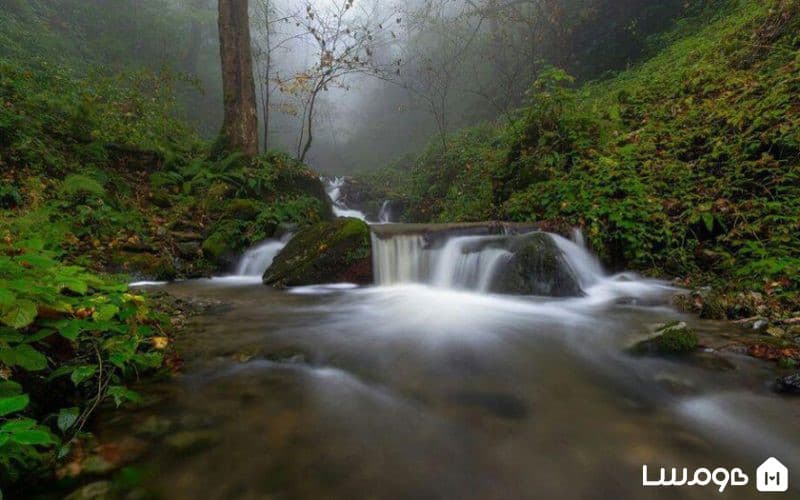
{"points": [[144, 265], [327, 252], [537, 267], [673, 338], [221, 247]]}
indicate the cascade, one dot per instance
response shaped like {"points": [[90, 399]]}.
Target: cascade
{"points": [[468, 262], [257, 259], [333, 188]]}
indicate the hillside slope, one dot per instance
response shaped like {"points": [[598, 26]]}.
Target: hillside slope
{"points": [[687, 165], [99, 185]]}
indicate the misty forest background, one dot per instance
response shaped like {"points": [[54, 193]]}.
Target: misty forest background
{"points": [[431, 66], [669, 131]]}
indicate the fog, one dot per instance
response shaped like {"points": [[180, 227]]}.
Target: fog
{"points": [[369, 80]]}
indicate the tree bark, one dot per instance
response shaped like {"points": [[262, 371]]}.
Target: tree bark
{"points": [[309, 125], [240, 125]]}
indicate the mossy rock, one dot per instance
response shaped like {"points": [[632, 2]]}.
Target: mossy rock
{"points": [[329, 252], [243, 209], [146, 266], [673, 338], [221, 247], [537, 267]]}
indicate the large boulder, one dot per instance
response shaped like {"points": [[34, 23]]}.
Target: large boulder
{"points": [[537, 267], [329, 252]]}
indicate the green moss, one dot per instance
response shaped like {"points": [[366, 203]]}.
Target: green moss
{"points": [[673, 338], [79, 185], [676, 340], [243, 209], [219, 243], [692, 170], [327, 252], [145, 265]]}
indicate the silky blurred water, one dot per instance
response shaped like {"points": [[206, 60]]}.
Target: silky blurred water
{"points": [[414, 391]]}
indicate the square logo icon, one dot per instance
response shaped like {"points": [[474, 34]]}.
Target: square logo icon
{"points": [[772, 476]]}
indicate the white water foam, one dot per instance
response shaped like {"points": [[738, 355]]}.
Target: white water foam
{"points": [[471, 262], [258, 259], [333, 189]]}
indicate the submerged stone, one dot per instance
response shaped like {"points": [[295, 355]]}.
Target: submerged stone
{"points": [[789, 384], [329, 252], [192, 441]]}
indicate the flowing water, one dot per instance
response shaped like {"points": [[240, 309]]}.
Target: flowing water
{"points": [[426, 386], [256, 260], [333, 187]]}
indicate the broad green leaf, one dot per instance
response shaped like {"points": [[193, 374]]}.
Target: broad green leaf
{"points": [[82, 373], [70, 329], [9, 388], [60, 372], [60, 306], [41, 334], [13, 404], [32, 437], [7, 297], [8, 335], [19, 424], [23, 356], [20, 314], [122, 394], [105, 312], [67, 418], [74, 285], [37, 261]]}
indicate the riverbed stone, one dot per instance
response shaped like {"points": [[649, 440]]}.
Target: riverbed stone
{"points": [[673, 338], [789, 384], [338, 251], [537, 267]]}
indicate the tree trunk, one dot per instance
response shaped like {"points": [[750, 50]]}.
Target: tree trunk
{"points": [[267, 76], [309, 125], [240, 125]]}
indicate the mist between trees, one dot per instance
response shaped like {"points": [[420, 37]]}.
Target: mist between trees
{"points": [[349, 85]]}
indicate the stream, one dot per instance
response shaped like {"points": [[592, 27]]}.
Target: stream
{"points": [[427, 385]]}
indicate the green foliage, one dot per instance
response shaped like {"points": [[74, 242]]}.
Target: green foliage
{"points": [[82, 187], [93, 155], [686, 165], [106, 340]]}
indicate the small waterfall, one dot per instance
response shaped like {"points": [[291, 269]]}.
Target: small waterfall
{"points": [[577, 237], [463, 262], [399, 259], [385, 213], [583, 263], [257, 259], [333, 188]]}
